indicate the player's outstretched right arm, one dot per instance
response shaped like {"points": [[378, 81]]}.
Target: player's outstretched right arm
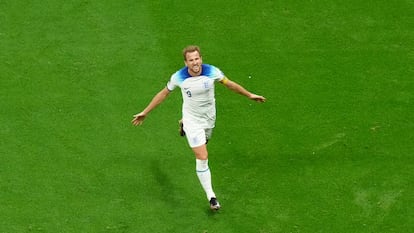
{"points": [[158, 99]]}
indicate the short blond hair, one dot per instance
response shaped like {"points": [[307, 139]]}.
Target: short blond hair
{"points": [[190, 49]]}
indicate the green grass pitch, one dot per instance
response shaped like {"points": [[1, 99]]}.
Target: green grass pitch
{"points": [[330, 151]]}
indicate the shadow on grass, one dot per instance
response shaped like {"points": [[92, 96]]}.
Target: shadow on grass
{"points": [[212, 213], [169, 193], [166, 189]]}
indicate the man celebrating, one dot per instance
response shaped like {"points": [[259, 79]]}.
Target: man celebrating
{"points": [[196, 81]]}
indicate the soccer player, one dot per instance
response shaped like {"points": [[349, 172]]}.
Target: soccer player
{"points": [[196, 81]]}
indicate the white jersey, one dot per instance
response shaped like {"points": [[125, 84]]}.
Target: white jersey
{"points": [[199, 107]]}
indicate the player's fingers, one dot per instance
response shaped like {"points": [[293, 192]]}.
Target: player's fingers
{"points": [[137, 121]]}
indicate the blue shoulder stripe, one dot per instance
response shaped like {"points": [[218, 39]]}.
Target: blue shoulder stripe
{"points": [[207, 70], [182, 74]]}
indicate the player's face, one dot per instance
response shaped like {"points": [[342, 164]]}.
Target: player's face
{"points": [[193, 61]]}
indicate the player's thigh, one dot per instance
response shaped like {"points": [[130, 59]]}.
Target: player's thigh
{"points": [[195, 136]]}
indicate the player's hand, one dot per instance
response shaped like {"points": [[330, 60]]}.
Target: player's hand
{"points": [[138, 118], [257, 98]]}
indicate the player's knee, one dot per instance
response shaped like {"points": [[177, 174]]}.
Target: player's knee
{"points": [[201, 154]]}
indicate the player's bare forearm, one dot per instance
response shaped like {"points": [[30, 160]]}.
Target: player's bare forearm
{"points": [[241, 90], [237, 88], [156, 100]]}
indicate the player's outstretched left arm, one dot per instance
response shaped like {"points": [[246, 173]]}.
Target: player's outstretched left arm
{"points": [[241, 90]]}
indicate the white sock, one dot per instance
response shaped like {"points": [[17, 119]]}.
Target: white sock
{"points": [[204, 175]]}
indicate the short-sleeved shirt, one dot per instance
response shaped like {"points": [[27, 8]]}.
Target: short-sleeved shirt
{"points": [[199, 108]]}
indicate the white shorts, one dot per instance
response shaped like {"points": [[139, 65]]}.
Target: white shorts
{"points": [[197, 137]]}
